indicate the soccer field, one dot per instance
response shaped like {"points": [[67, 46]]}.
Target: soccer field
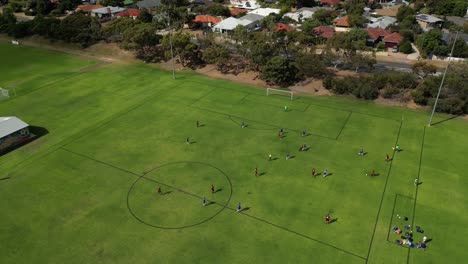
{"points": [[86, 191]]}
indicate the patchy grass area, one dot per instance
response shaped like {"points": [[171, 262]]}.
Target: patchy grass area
{"points": [[86, 191]]}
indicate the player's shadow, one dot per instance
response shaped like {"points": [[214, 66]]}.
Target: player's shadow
{"points": [[419, 183], [210, 203], [245, 209], [333, 220], [428, 240], [202, 125], [329, 174], [292, 157], [192, 142], [375, 174], [261, 173], [218, 190], [165, 193]]}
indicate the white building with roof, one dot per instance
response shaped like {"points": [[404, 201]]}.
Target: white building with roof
{"points": [[108, 11], [265, 11], [12, 132], [250, 21], [249, 5], [381, 22], [302, 13]]}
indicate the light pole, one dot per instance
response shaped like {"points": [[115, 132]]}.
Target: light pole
{"points": [[170, 42], [442, 82]]}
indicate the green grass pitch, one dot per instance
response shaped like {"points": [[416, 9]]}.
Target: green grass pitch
{"points": [[86, 192]]}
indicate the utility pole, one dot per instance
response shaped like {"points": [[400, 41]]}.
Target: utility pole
{"points": [[170, 42], [443, 79]]}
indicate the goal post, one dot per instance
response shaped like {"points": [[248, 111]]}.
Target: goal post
{"points": [[271, 91]]}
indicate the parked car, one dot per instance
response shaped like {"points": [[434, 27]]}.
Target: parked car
{"points": [[395, 49]]}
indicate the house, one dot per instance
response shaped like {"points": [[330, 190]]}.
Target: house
{"points": [[324, 32], [13, 131], [148, 4], [131, 12], [329, 2], [206, 20], [106, 12], [341, 23], [392, 40], [265, 11], [250, 21], [376, 35], [428, 22], [282, 26], [250, 5], [302, 13], [87, 8], [381, 22]]}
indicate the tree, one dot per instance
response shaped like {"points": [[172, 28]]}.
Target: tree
{"points": [[461, 49], [218, 10], [21, 29], [40, 7], [7, 20], [46, 26], [65, 5], [429, 41], [356, 20], [331, 57], [239, 34], [145, 16], [184, 49], [324, 16], [423, 69], [80, 28], [360, 60], [112, 2], [404, 11], [279, 70], [140, 35], [216, 54], [311, 65], [115, 29], [150, 53], [405, 47]]}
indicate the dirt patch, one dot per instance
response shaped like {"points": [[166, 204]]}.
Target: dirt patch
{"points": [[311, 87]]}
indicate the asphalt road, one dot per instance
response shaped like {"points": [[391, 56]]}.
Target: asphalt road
{"points": [[398, 66]]}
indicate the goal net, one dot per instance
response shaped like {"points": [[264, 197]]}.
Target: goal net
{"points": [[271, 91], [4, 94]]}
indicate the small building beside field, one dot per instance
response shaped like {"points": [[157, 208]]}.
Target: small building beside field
{"points": [[13, 131]]}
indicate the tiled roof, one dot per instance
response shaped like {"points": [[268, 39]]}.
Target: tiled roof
{"points": [[206, 19], [393, 38], [324, 31], [375, 33], [236, 11], [281, 26], [87, 8], [132, 12], [341, 21]]}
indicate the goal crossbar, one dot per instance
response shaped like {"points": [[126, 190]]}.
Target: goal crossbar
{"points": [[278, 91]]}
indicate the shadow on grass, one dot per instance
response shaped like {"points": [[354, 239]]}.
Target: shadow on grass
{"points": [[333, 220], [245, 209], [35, 133], [261, 173], [444, 120]]}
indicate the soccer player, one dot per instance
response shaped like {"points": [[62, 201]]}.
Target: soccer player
{"points": [[187, 140], [397, 148], [256, 171], [313, 172], [159, 190], [285, 108], [361, 152], [204, 201], [242, 124], [269, 157], [325, 173], [287, 155], [212, 188], [372, 173], [281, 130], [327, 219], [303, 132], [238, 207], [416, 182], [198, 124], [387, 157], [279, 135]]}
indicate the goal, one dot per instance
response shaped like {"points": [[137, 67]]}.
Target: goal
{"points": [[271, 91], [4, 94]]}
